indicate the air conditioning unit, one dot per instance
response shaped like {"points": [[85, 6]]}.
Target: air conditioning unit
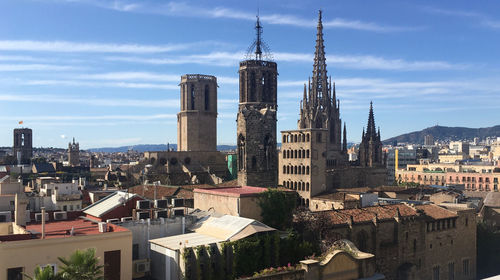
{"points": [[143, 215], [177, 202], [38, 217], [5, 217], [143, 204], [142, 266], [58, 216], [112, 220], [161, 214], [178, 212], [124, 219], [161, 203], [103, 227]]}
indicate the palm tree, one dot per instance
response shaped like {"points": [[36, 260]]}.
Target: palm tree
{"points": [[82, 265], [47, 273]]}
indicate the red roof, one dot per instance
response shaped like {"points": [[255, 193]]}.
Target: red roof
{"points": [[367, 214], [436, 212], [233, 191], [62, 229]]}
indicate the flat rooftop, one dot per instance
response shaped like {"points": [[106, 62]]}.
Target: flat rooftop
{"points": [[62, 229]]}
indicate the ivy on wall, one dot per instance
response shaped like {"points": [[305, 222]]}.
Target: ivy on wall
{"points": [[277, 208]]}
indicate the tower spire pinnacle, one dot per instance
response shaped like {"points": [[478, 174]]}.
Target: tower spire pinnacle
{"points": [[371, 131], [258, 42], [319, 78], [344, 145]]}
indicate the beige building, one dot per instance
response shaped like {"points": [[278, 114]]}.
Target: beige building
{"points": [[234, 201], [474, 177], [22, 249]]}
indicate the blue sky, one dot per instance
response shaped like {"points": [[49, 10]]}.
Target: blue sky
{"points": [[107, 72]]}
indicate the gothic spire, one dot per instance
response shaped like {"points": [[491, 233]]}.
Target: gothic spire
{"points": [[371, 131], [320, 80]]}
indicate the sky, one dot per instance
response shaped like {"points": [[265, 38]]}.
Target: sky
{"points": [[107, 72]]}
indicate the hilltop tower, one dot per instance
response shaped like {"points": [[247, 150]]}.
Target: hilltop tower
{"points": [[370, 149], [23, 145], [74, 153], [197, 120], [256, 120]]}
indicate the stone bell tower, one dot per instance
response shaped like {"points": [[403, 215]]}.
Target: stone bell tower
{"points": [[256, 120], [197, 120]]}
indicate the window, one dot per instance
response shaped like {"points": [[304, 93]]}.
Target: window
{"points": [[15, 273], [466, 267], [207, 98], [435, 273], [192, 97], [451, 271]]}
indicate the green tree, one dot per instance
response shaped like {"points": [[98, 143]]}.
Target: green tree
{"points": [[82, 265], [47, 273], [277, 208]]}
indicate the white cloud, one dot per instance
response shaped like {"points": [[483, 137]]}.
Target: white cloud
{"points": [[34, 67], [106, 102], [63, 136], [100, 84], [90, 47], [483, 19], [228, 59], [184, 9]]}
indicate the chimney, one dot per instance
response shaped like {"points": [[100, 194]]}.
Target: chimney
{"points": [[43, 222], [20, 209]]}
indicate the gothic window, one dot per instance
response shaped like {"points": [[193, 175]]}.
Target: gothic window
{"points": [[332, 133], [243, 86], [241, 152], [192, 97], [252, 87], [307, 137], [207, 98]]}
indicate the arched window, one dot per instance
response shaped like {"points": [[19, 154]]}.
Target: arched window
{"points": [[288, 169], [192, 97], [307, 170], [284, 170], [307, 152], [307, 137], [307, 187], [284, 183], [295, 138], [295, 153], [252, 87], [241, 152], [303, 170], [284, 138], [207, 98], [295, 170]]}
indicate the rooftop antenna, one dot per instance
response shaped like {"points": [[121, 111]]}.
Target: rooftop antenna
{"points": [[258, 44]]}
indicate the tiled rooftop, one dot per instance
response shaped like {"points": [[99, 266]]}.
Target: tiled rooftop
{"points": [[233, 191], [436, 212], [367, 214]]}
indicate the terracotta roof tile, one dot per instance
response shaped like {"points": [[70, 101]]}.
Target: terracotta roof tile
{"points": [[233, 191], [436, 212], [367, 214]]}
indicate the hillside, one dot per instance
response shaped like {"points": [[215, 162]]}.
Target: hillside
{"points": [[441, 133]]}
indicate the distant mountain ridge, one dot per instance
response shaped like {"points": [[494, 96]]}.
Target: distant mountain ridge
{"points": [[441, 133], [148, 148]]}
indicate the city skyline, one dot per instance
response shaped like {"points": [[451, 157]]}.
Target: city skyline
{"points": [[107, 72]]}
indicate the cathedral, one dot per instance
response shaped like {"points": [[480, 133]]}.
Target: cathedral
{"points": [[313, 158]]}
